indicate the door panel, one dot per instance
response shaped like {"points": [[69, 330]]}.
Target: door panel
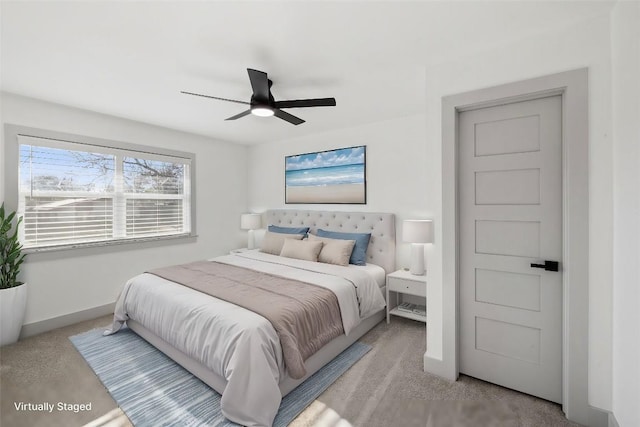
{"points": [[505, 136], [511, 216], [509, 238], [508, 339], [508, 289], [514, 187]]}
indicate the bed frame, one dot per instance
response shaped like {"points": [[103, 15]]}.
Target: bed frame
{"points": [[381, 252]]}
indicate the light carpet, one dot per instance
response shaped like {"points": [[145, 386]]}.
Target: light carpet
{"points": [[153, 390]]}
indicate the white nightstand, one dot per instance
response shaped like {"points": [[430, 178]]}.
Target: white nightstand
{"points": [[239, 251], [403, 282]]}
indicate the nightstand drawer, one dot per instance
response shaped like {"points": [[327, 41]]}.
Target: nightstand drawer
{"points": [[407, 286]]}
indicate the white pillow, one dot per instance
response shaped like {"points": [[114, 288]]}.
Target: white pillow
{"points": [[272, 242], [334, 251], [301, 249]]}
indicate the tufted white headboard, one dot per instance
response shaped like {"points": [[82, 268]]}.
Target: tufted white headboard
{"points": [[382, 226]]}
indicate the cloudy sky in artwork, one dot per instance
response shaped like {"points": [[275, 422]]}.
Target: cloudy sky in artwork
{"points": [[326, 159]]}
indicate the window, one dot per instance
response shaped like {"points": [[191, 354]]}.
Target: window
{"points": [[76, 193]]}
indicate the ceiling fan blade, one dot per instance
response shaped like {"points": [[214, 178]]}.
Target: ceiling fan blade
{"points": [[215, 97], [298, 103], [260, 84], [237, 116], [287, 117]]}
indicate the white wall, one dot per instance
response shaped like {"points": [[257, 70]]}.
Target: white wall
{"points": [[65, 282], [404, 167], [625, 44], [400, 172]]}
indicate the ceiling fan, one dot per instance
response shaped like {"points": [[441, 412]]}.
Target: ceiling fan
{"points": [[262, 103]]}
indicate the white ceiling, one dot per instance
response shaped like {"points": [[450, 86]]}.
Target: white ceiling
{"points": [[131, 59]]}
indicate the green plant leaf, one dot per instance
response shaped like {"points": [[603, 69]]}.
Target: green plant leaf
{"points": [[11, 256]]}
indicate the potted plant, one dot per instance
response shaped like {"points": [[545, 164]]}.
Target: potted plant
{"points": [[13, 293]]}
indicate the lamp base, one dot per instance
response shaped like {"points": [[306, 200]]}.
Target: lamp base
{"points": [[417, 259], [251, 243]]}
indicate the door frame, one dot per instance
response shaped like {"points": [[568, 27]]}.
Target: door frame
{"points": [[572, 86]]}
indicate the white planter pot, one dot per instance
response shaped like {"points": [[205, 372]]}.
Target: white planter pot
{"points": [[13, 303]]}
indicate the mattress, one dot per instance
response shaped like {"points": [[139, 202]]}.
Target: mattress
{"points": [[375, 271]]}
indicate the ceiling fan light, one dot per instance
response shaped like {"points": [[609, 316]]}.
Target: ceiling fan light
{"points": [[262, 111]]}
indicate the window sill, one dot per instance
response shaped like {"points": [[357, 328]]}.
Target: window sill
{"points": [[91, 246]]}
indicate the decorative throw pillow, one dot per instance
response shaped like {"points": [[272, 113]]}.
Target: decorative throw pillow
{"points": [[359, 254], [334, 251], [301, 249], [289, 230], [272, 242]]}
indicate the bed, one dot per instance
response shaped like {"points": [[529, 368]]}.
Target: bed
{"points": [[238, 352]]}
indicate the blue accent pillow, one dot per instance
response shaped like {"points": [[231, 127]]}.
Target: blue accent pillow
{"points": [[359, 254], [289, 230]]}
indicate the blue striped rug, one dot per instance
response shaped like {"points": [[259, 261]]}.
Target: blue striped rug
{"points": [[153, 390]]}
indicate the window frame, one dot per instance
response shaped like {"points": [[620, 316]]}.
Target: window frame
{"points": [[11, 181]]}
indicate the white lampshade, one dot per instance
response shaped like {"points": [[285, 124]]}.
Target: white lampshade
{"points": [[250, 221], [417, 231]]}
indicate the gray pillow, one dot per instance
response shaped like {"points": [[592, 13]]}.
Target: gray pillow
{"points": [[272, 242], [334, 251], [301, 249]]}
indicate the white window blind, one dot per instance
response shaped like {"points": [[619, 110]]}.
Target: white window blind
{"points": [[75, 193]]}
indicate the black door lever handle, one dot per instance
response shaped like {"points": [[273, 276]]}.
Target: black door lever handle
{"points": [[548, 265]]}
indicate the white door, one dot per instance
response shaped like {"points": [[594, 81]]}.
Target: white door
{"points": [[510, 215]]}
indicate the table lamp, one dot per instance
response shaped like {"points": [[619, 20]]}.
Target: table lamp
{"points": [[251, 222], [417, 232]]}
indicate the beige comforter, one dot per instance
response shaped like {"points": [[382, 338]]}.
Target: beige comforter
{"points": [[305, 316]]}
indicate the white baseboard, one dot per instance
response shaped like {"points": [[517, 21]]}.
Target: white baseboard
{"points": [[36, 328], [598, 417], [612, 420], [437, 367]]}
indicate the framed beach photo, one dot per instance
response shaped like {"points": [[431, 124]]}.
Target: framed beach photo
{"points": [[333, 176]]}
